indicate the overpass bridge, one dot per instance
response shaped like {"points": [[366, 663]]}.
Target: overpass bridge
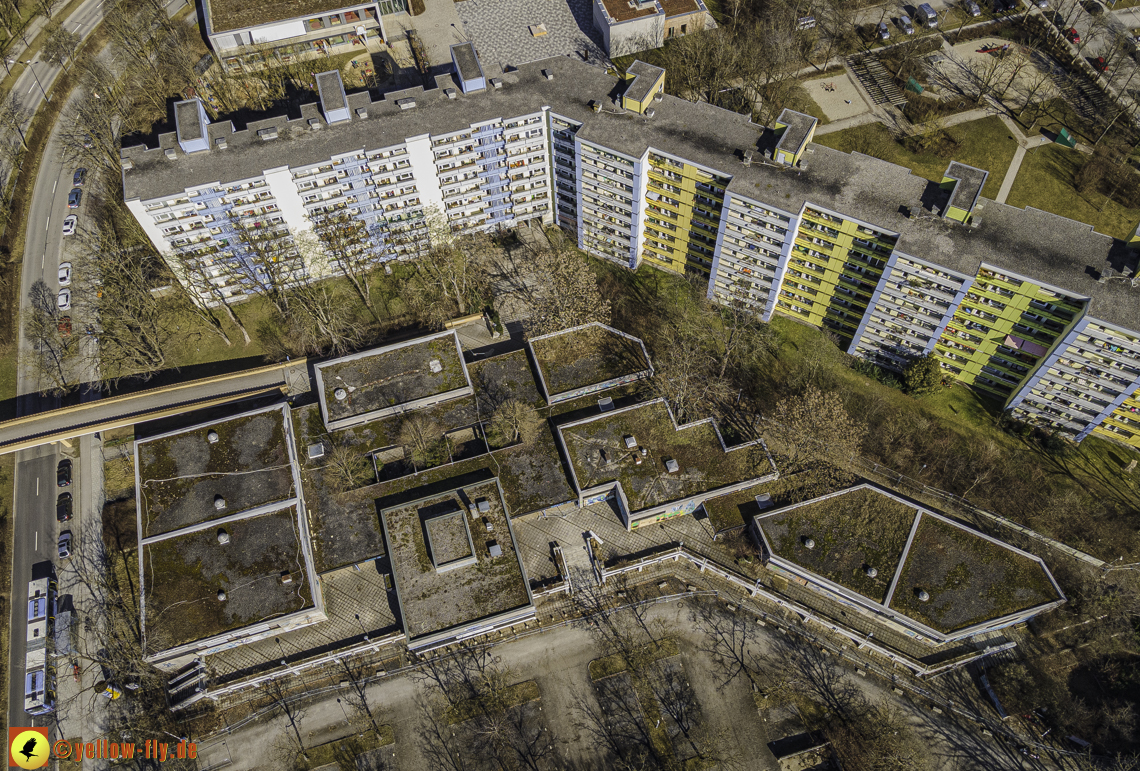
{"points": [[66, 423]]}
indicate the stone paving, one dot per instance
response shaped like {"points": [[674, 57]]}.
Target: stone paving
{"points": [[501, 31]]}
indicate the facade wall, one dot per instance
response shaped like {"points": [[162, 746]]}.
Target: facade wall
{"points": [[284, 40], [683, 203]]}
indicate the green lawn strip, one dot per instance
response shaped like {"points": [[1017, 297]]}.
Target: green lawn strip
{"points": [[38, 41], [25, 180], [613, 664], [985, 144], [513, 696], [1045, 181], [805, 104], [344, 751], [658, 735]]}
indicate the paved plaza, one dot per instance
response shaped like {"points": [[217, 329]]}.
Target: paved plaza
{"points": [[501, 31]]}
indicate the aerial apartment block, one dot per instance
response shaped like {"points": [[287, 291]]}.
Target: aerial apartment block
{"points": [[1036, 310], [629, 26]]}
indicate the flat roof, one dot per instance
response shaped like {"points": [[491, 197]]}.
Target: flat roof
{"points": [[798, 127], [624, 10], [679, 7], [182, 574], [380, 380], [599, 455], [179, 475], [467, 61], [968, 578], [1061, 252], [645, 77], [433, 601], [226, 15], [188, 121], [585, 356], [969, 186]]}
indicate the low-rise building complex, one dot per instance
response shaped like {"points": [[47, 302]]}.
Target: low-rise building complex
{"points": [[1035, 310]]}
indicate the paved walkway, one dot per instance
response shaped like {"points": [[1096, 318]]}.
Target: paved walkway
{"points": [[438, 26]]}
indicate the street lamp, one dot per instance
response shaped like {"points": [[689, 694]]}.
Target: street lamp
{"points": [[34, 75], [362, 629]]}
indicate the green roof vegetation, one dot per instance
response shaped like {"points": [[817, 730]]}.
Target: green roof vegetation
{"points": [[182, 575], [851, 532], [433, 601], [969, 579], [586, 356], [181, 474], [598, 451], [394, 377]]}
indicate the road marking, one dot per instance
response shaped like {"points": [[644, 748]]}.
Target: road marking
{"points": [[54, 185], [32, 88], [37, 541], [42, 259], [37, 485]]}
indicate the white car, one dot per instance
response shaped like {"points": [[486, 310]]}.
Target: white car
{"points": [[69, 224], [65, 274], [64, 299]]}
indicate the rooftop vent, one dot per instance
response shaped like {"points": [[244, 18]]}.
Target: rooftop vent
{"points": [[650, 112], [362, 112], [764, 501], [340, 394], [494, 549], [316, 451], [923, 595], [266, 134], [548, 74], [212, 436], [406, 104], [483, 505], [220, 143], [223, 536], [658, 96], [871, 572], [314, 123], [748, 158], [286, 577], [489, 525], [221, 595], [496, 82], [606, 403], [170, 153], [630, 442], [450, 93], [672, 466], [127, 164], [808, 543], [219, 502], [435, 366]]}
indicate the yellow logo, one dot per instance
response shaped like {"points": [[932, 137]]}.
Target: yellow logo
{"points": [[28, 747]]}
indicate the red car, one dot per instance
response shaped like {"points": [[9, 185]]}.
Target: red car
{"points": [[1073, 36], [75, 672], [1100, 65]]}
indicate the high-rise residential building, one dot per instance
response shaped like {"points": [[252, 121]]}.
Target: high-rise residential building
{"points": [[1036, 310]]}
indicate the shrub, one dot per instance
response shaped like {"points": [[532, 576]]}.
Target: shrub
{"points": [[923, 376]]}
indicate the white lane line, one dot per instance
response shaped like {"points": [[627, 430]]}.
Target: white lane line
{"points": [[42, 260], [54, 185], [37, 485], [37, 541], [33, 88]]}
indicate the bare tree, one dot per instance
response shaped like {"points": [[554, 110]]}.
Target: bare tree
{"points": [[568, 294], [61, 43], [515, 421], [345, 465], [812, 436], [686, 373], [293, 712], [52, 345], [13, 116], [423, 437], [350, 249]]}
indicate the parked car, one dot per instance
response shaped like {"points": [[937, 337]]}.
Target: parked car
{"points": [[74, 197], [1042, 4], [927, 15], [1073, 36], [64, 544], [906, 25], [65, 274], [1099, 64], [63, 301], [79, 178], [64, 325], [972, 8], [63, 473], [63, 507], [1093, 7], [75, 672], [884, 32], [69, 223]]}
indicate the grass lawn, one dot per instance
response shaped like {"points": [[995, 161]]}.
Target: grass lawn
{"points": [[985, 144], [513, 696], [608, 666], [804, 103], [343, 752], [1045, 181]]}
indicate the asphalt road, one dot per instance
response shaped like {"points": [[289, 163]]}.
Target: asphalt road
{"points": [[35, 542]]}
